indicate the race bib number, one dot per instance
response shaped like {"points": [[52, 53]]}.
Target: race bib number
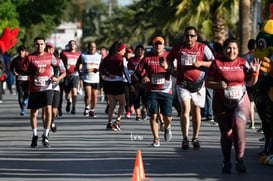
{"points": [[91, 67], [188, 59], [22, 77], [158, 78], [71, 61], [234, 92], [40, 80]]}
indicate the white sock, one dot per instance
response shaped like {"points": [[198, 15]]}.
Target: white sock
{"points": [[35, 132], [46, 131], [87, 107]]}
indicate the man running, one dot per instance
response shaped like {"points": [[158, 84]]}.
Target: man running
{"points": [[38, 66], [192, 59], [22, 81], [70, 58], [91, 78]]}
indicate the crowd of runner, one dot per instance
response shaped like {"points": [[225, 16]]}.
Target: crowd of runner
{"points": [[142, 83]]}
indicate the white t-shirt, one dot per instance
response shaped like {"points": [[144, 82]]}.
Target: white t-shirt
{"points": [[90, 68]]}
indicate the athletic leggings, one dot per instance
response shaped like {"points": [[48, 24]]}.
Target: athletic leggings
{"points": [[22, 90], [232, 123]]}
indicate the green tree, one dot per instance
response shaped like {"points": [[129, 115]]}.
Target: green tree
{"points": [[39, 17]]}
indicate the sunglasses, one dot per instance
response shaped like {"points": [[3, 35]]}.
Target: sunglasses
{"points": [[190, 35]]}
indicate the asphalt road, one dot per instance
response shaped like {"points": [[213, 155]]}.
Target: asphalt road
{"points": [[83, 150]]}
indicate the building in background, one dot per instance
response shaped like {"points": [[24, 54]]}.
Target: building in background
{"points": [[65, 32]]}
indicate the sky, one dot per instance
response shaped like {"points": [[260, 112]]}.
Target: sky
{"points": [[124, 2]]}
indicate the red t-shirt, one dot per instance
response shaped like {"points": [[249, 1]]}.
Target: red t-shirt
{"points": [[70, 60], [234, 72], [39, 81], [160, 80], [185, 59]]}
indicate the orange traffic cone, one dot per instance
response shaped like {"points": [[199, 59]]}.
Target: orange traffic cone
{"points": [[136, 176], [139, 164]]}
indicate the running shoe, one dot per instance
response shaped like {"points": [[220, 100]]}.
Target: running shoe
{"points": [[132, 111], [143, 114], [168, 134], [34, 142], [23, 112], [137, 117], [92, 114], [86, 112], [226, 167], [156, 143], [110, 126], [45, 142], [60, 113], [240, 166], [195, 143], [185, 144], [53, 126], [73, 111], [116, 124], [162, 127], [68, 106], [262, 139], [26, 102], [127, 115]]}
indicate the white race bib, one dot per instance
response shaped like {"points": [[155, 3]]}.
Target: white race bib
{"points": [[234, 92], [158, 78], [71, 61], [188, 59], [40, 80], [22, 77]]}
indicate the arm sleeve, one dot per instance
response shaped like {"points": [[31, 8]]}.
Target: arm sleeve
{"points": [[208, 55]]}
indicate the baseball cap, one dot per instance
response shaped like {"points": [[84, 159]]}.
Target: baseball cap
{"points": [[158, 38], [50, 45], [129, 50]]}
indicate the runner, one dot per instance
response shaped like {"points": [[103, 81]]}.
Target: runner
{"points": [[38, 66], [56, 88], [112, 71], [159, 88], [140, 88], [231, 105], [91, 78], [192, 60], [22, 81], [70, 58]]}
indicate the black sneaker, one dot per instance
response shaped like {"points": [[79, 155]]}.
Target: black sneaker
{"points": [[195, 143], [185, 144], [226, 167], [68, 106], [60, 113], [73, 111], [34, 142], [143, 115], [240, 166], [45, 142], [53, 127]]}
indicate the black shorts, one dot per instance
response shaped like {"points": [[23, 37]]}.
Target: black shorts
{"points": [[56, 99], [93, 85], [113, 88], [70, 82], [250, 93], [38, 100]]}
